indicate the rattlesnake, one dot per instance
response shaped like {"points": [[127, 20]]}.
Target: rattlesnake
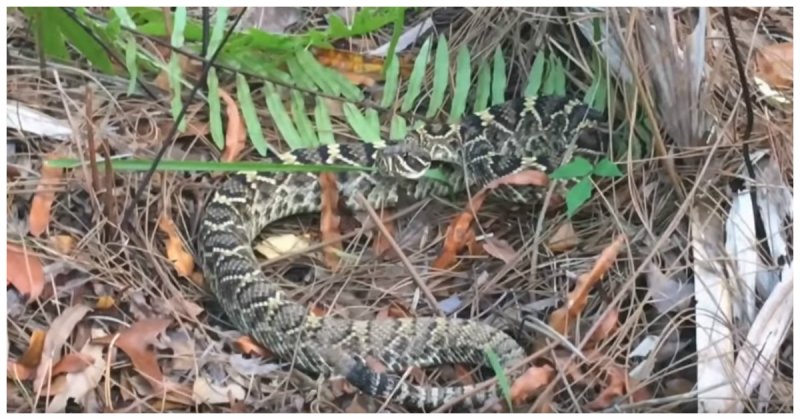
{"points": [[522, 133]]}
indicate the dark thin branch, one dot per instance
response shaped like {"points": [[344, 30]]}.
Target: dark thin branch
{"points": [[761, 234]]}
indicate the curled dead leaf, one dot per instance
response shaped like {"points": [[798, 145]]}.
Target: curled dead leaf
{"points": [[33, 355], [39, 217], [105, 302], [235, 135], [248, 346], [329, 219], [24, 271], [562, 319], [531, 383], [460, 234], [64, 243], [176, 252]]}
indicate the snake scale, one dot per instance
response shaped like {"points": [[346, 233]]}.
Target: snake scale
{"points": [[531, 132]]}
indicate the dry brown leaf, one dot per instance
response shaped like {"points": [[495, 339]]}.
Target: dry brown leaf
{"points": [[246, 345], [606, 326], [615, 388], [460, 233], [329, 219], [204, 392], [77, 385], [71, 363], [531, 383], [774, 64], [198, 279], [33, 356], [365, 69], [235, 135], [499, 249], [57, 335], [24, 271], [39, 217], [562, 319], [563, 239], [277, 245], [105, 302], [355, 407], [64, 243], [176, 252], [382, 246], [464, 375], [136, 341], [16, 371]]}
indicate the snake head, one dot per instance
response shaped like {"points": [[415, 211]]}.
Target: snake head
{"points": [[403, 160], [440, 141]]}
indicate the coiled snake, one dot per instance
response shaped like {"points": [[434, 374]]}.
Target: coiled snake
{"points": [[523, 133]]}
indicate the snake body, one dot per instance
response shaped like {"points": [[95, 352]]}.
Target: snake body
{"points": [[522, 133]]}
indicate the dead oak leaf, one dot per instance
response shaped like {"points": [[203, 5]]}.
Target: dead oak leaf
{"points": [[71, 363], [136, 342], [24, 271], [499, 249]]}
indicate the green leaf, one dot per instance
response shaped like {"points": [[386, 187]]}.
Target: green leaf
{"points": [[299, 76], [51, 41], [607, 168], [498, 78], [308, 136], [74, 34], [318, 73], [441, 69], [254, 131], [577, 168], [463, 76], [578, 195], [359, 123], [502, 379], [131, 52], [174, 72], [392, 81], [323, 120], [398, 128], [374, 122], [417, 74], [536, 75], [281, 117], [397, 30], [218, 31], [348, 89], [215, 109], [483, 88]]}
